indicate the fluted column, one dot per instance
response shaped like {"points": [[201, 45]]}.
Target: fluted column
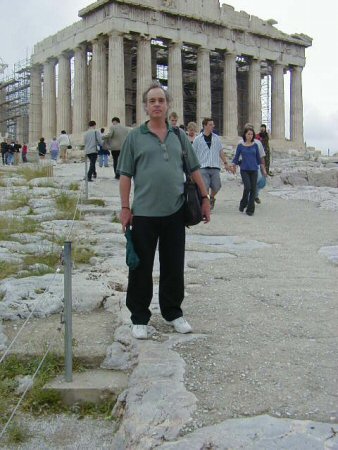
{"points": [[99, 83], [143, 75], [129, 84], [49, 100], [116, 87], [35, 105], [254, 94], [175, 79], [203, 85], [296, 106], [80, 105], [64, 109], [230, 108], [277, 102]]}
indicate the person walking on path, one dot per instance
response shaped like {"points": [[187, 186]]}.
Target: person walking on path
{"points": [[248, 153], [152, 157], [54, 149], [114, 140], [192, 131], [209, 151], [103, 152], [92, 141], [64, 143], [24, 152], [42, 148], [4, 151], [263, 137], [17, 147], [262, 156]]}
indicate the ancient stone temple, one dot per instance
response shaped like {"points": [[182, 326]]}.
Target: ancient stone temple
{"points": [[212, 58]]}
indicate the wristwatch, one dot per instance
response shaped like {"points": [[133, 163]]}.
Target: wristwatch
{"points": [[205, 196]]}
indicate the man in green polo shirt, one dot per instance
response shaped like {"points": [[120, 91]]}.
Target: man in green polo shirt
{"points": [[152, 157]]}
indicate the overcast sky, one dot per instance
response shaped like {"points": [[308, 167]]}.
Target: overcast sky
{"points": [[23, 23]]}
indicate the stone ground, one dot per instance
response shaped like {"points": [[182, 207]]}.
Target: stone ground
{"points": [[260, 370]]}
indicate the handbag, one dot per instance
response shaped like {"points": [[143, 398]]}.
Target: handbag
{"points": [[69, 147], [192, 196]]}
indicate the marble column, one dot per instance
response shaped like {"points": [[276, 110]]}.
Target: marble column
{"points": [[254, 95], [80, 104], [116, 87], [203, 93], [277, 102], [175, 79], [49, 100], [99, 83], [296, 106], [230, 108], [143, 75], [35, 105], [129, 85], [64, 109]]}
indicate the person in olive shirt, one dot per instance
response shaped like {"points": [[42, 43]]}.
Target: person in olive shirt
{"points": [[152, 157]]}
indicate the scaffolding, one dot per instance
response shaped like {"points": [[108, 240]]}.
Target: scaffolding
{"points": [[14, 102]]}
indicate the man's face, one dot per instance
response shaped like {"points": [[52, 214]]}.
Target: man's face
{"points": [[156, 106], [208, 128], [173, 121]]}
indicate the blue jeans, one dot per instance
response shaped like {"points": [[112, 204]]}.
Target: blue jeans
{"points": [[249, 178], [103, 160], [10, 159]]}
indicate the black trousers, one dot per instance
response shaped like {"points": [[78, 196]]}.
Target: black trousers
{"points": [[115, 154], [92, 161], [169, 233], [249, 178]]}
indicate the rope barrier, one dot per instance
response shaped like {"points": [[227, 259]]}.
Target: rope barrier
{"points": [[24, 393], [48, 288]]}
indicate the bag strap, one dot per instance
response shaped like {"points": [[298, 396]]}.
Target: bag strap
{"points": [[186, 167]]}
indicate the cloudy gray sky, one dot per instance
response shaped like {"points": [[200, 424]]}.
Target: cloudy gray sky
{"points": [[23, 23]]}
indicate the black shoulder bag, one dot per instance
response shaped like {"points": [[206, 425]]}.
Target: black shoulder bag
{"points": [[192, 196]]}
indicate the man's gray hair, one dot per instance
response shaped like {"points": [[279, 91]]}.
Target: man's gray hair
{"points": [[156, 85]]}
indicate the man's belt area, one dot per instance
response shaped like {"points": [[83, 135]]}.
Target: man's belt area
{"points": [[211, 168]]}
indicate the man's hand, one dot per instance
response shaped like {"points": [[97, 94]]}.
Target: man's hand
{"points": [[126, 218], [206, 210]]}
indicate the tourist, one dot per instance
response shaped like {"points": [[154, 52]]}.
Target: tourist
{"points": [[247, 154], [92, 139], [17, 147], [152, 156], [263, 137], [10, 154], [114, 140], [54, 148], [4, 151], [192, 131], [209, 150], [24, 152], [42, 148], [173, 119], [262, 156], [64, 143], [103, 152]]}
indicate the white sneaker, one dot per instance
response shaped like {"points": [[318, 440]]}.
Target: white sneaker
{"points": [[181, 325], [139, 331]]}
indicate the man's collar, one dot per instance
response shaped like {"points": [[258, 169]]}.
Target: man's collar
{"points": [[144, 127]]}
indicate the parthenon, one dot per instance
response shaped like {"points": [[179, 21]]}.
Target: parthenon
{"points": [[212, 58]]}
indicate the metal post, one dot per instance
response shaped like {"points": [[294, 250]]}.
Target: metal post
{"points": [[86, 177], [68, 310]]}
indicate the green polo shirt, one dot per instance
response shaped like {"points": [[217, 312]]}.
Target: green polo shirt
{"points": [[157, 170]]}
